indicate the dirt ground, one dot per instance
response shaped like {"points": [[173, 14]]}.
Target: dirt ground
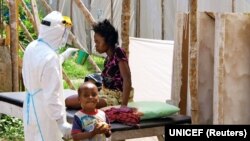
{"points": [[154, 138]]}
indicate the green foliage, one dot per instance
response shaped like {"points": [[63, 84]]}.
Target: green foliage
{"points": [[11, 128], [74, 70], [78, 71], [24, 18]]}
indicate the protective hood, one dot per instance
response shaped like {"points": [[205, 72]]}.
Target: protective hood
{"points": [[52, 30]]}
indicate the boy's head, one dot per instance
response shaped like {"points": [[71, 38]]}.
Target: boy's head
{"points": [[88, 95]]}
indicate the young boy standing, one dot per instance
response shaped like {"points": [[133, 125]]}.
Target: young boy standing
{"points": [[90, 123]]}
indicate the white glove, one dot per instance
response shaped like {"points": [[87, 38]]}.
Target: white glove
{"points": [[67, 54], [65, 128]]}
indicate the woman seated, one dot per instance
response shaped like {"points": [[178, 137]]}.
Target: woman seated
{"points": [[116, 76]]}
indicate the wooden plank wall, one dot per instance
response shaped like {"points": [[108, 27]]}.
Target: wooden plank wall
{"points": [[205, 43], [232, 69], [223, 68], [180, 63]]}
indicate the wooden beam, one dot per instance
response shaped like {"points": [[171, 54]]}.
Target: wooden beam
{"points": [[21, 48], [29, 14], [211, 15], [26, 31], [85, 12], [66, 78], [47, 7], [193, 59], [14, 43], [125, 19], [35, 14]]}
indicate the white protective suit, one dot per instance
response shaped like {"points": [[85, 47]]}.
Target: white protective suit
{"points": [[42, 75]]}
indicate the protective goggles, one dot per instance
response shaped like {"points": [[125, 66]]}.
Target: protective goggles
{"points": [[66, 22]]}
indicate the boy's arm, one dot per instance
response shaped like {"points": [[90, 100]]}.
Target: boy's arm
{"points": [[87, 135], [77, 133], [83, 135], [108, 133]]}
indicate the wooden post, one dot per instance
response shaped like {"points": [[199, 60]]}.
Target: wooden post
{"points": [[71, 14], [138, 21], [88, 31], [180, 63], [14, 43], [125, 18], [26, 31], [57, 5], [233, 6], [193, 65], [7, 39], [184, 71], [162, 20], [20, 65], [112, 11]]}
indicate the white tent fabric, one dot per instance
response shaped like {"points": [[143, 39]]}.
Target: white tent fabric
{"points": [[151, 68], [103, 10], [150, 18], [150, 15]]}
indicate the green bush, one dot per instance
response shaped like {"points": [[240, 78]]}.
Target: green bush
{"points": [[11, 128]]}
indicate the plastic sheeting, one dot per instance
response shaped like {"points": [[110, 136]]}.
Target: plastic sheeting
{"points": [[151, 68]]}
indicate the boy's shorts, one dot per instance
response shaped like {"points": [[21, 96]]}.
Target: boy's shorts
{"points": [[114, 97]]}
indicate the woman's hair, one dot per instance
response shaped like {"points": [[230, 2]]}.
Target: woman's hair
{"points": [[107, 30]]}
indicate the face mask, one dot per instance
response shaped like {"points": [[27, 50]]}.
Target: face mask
{"points": [[64, 37]]}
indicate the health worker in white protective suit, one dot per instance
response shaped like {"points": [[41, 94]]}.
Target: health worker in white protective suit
{"points": [[44, 112]]}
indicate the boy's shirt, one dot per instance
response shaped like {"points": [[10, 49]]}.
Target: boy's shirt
{"points": [[85, 122]]}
